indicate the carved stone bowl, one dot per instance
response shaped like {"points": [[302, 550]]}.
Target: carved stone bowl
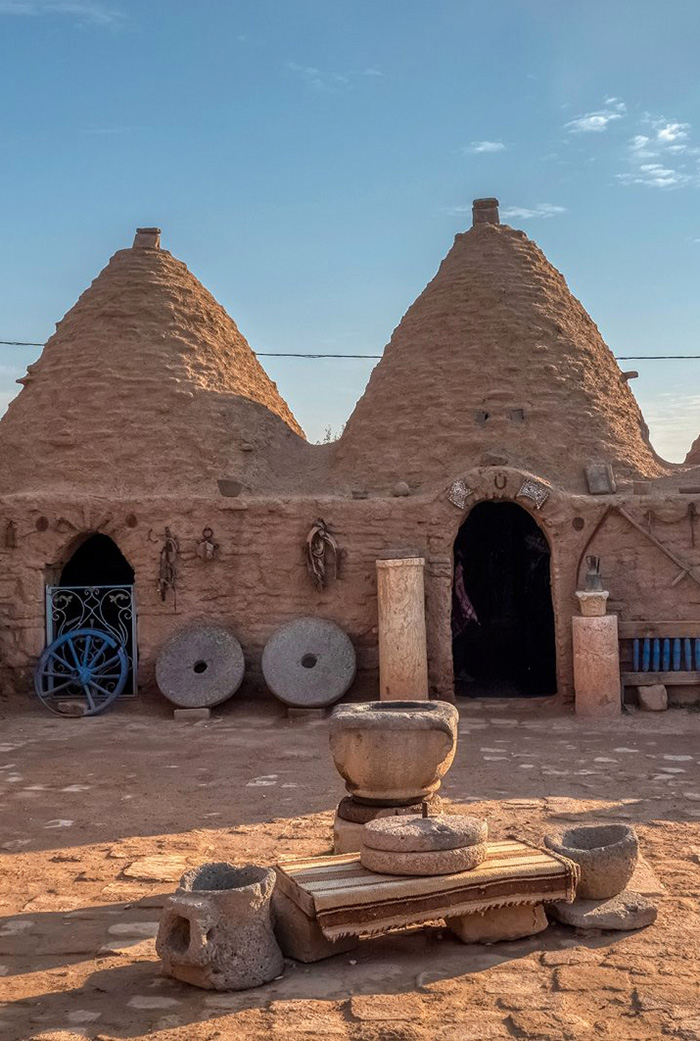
{"points": [[606, 853], [393, 752]]}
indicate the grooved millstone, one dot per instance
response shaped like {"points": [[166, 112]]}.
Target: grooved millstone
{"points": [[429, 862], [200, 666], [309, 663], [417, 834]]}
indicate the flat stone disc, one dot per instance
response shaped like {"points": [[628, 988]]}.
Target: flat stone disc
{"points": [[626, 911], [309, 663], [417, 834], [200, 666], [435, 862]]}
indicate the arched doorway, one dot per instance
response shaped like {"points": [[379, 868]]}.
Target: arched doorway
{"points": [[96, 591], [502, 616], [97, 561]]}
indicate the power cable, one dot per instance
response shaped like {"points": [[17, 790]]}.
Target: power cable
{"points": [[289, 354]]}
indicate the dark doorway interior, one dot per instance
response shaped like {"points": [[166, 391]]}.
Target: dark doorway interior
{"points": [[98, 562], [95, 591], [502, 615]]}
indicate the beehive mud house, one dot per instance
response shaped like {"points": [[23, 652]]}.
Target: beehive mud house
{"points": [[497, 438]]}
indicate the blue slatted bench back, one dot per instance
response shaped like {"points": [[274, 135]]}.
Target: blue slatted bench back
{"points": [[667, 654]]}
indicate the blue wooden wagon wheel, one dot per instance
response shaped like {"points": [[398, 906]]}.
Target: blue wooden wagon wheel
{"points": [[84, 666]]}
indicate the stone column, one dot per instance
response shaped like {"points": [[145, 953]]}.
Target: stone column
{"points": [[403, 658], [597, 683]]}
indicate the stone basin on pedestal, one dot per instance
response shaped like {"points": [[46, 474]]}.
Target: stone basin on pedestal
{"points": [[393, 753]]}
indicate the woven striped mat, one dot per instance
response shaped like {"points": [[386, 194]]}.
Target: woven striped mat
{"points": [[348, 900]]}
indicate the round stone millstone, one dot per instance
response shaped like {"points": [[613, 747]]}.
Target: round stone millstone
{"points": [[417, 834], [309, 663], [200, 667], [433, 862]]}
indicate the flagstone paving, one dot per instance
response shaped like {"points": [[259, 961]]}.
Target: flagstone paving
{"points": [[98, 815]]}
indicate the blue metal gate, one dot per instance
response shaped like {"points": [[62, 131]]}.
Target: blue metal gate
{"points": [[110, 609]]}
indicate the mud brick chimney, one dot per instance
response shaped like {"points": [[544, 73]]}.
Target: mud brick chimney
{"points": [[485, 211]]}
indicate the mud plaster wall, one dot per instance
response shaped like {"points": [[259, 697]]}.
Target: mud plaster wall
{"points": [[639, 575], [259, 580]]}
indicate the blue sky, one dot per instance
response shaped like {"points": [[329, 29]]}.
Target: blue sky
{"points": [[311, 162]]}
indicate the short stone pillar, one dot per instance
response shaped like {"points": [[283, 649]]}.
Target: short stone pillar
{"points": [[403, 656], [597, 683]]}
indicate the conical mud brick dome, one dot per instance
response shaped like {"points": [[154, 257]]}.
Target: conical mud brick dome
{"points": [[147, 384], [495, 357]]}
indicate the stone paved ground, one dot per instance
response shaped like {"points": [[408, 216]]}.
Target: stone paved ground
{"points": [[82, 799]]}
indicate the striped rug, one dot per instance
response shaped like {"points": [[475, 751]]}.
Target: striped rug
{"points": [[348, 900]]}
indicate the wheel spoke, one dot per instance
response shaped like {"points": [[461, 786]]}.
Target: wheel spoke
{"points": [[88, 695], [88, 641], [69, 643], [61, 686], [110, 661], [63, 661], [98, 655], [103, 690]]}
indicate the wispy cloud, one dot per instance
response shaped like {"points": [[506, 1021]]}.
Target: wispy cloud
{"points": [[655, 175], [86, 12], [673, 134], [658, 157], [479, 147], [318, 79], [598, 121], [540, 209]]}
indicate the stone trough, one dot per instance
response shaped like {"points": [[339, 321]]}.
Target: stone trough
{"points": [[216, 929]]}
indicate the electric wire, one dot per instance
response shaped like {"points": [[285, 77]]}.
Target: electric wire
{"points": [[291, 354]]}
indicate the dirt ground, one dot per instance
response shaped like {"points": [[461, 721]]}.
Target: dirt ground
{"points": [[82, 799]]}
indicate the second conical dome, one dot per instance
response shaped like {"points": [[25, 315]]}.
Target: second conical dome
{"points": [[495, 356]]}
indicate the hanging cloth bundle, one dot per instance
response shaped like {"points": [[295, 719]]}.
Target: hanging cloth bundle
{"points": [[318, 542]]}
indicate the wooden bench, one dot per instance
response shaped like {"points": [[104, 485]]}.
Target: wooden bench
{"points": [[323, 904]]}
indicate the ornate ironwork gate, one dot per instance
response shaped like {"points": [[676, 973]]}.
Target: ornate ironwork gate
{"points": [[110, 609]]}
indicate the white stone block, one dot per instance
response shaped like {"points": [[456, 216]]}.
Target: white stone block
{"points": [[653, 698]]}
